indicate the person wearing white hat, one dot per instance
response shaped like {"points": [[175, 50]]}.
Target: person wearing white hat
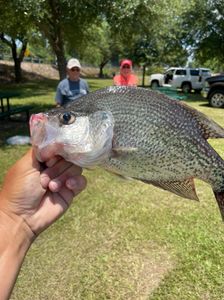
{"points": [[72, 87]]}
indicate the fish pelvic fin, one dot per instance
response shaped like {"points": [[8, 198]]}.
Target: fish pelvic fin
{"points": [[219, 196], [185, 189]]}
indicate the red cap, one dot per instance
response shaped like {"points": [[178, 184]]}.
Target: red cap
{"points": [[126, 62]]}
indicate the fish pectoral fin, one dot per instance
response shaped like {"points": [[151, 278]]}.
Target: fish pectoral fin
{"points": [[121, 151], [185, 189]]}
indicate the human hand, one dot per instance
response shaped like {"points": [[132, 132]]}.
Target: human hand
{"points": [[39, 195]]}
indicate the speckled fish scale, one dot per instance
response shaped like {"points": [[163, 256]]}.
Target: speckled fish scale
{"points": [[157, 140]]}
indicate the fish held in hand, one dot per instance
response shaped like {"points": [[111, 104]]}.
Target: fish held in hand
{"points": [[137, 133]]}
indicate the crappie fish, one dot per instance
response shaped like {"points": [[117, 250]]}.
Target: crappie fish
{"points": [[137, 133]]}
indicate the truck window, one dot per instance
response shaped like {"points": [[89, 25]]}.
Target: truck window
{"points": [[194, 72], [181, 72], [206, 72]]}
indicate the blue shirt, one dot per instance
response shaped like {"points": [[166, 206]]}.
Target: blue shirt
{"points": [[69, 90]]}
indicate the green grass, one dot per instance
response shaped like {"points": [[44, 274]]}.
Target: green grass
{"points": [[123, 239]]}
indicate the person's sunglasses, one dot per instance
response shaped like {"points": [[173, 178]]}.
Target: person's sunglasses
{"points": [[126, 67], [75, 69]]}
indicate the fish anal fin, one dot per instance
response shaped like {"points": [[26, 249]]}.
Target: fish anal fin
{"points": [[185, 189]]}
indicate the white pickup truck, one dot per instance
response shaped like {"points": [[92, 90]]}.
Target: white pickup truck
{"points": [[186, 79]]}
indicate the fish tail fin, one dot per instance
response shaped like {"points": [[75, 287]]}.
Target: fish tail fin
{"points": [[220, 200]]}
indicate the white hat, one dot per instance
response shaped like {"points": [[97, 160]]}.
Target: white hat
{"points": [[73, 62]]}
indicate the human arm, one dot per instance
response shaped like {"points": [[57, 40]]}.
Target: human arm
{"points": [[87, 88], [136, 81], [59, 96], [83, 87], [31, 199], [117, 80]]}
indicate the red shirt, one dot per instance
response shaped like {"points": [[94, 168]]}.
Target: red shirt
{"points": [[131, 79]]}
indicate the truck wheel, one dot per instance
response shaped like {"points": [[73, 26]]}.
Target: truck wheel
{"points": [[216, 99], [186, 87], [154, 85]]}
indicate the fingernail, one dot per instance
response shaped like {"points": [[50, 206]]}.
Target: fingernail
{"points": [[55, 184], [44, 180], [77, 183], [72, 183]]}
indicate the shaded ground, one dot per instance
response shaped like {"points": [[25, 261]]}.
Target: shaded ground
{"points": [[35, 71], [30, 71]]}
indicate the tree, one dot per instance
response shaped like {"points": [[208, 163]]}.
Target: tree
{"points": [[152, 33], [14, 33], [62, 22], [99, 46], [204, 32], [39, 47]]}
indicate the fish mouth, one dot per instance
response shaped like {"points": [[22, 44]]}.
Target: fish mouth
{"points": [[37, 132], [36, 119], [42, 134]]}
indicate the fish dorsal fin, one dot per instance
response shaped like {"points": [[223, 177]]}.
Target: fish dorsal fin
{"points": [[185, 189], [210, 129]]}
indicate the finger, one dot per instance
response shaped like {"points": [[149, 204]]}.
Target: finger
{"points": [[66, 195], [56, 170], [76, 184], [55, 184], [52, 161], [71, 182], [52, 208], [45, 179], [73, 186]]}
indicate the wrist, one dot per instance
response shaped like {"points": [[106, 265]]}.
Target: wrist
{"points": [[14, 231], [15, 240]]}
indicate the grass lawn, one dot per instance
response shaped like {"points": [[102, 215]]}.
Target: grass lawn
{"points": [[122, 239]]}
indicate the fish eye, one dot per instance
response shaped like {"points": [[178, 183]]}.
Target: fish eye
{"points": [[67, 118]]}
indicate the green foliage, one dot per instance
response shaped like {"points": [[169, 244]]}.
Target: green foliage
{"points": [[12, 22], [39, 47], [160, 33], [204, 32], [96, 44], [152, 31]]}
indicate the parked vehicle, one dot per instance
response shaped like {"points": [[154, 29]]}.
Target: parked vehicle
{"points": [[214, 90], [186, 79]]}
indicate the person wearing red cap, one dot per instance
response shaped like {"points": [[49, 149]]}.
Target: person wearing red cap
{"points": [[126, 77]]}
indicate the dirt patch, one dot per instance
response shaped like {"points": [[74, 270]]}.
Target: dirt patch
{"points": [[140, 271], [30, 71], [36, 71]]}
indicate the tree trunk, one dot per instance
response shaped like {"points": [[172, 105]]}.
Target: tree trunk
{"points": [[143, 75], [61, 63], [101, 72], [17, 58], [55, 37], [17, 70], [101, 66], [58, 48], [17, 63]]}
